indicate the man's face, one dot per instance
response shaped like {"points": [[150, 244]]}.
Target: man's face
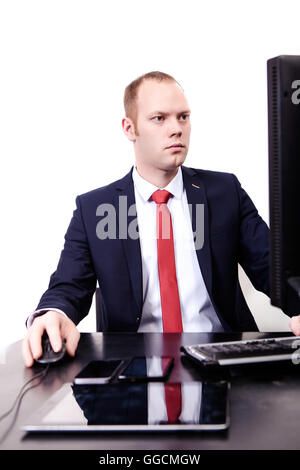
{"points": [[163, 119]]}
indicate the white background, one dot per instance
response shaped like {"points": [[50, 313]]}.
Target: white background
{"points": [[63, 69]]}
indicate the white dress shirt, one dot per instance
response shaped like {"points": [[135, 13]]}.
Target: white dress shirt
{"points": [[198, 314]]}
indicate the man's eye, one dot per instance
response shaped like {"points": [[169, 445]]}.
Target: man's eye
{"points": [[185, 116], [158, 118]]}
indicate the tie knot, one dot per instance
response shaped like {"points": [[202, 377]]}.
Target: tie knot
{"points": [[161, 196]]}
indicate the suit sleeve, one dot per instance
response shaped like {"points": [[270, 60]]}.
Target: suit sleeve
{"points": [[253, 253], [73, 284]]}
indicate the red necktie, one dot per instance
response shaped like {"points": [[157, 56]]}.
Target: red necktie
{"points": [[170, 303]]}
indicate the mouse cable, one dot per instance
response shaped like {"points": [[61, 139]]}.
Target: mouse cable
{"points": [[20, 397], [40, 374]]}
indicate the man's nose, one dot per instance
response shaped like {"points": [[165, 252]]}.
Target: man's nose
{"points": [[175, 128]]}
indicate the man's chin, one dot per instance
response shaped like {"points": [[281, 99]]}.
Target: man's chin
{"points": [[174, 162]]}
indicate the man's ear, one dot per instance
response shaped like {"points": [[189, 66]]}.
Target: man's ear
{"points": [[129, 129]]}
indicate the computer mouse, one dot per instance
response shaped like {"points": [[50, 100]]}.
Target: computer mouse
{"points": [[49, 356]]}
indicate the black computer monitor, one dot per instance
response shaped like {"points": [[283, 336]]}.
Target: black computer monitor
{"points": [[283, 73]]}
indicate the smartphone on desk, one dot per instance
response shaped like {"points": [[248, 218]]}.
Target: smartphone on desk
{"points": [[136, 369], [99, 372], [146, 369]]}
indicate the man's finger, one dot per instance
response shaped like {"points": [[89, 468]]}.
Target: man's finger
{"points": [[295, 325], [72, 338], [54, 333], [35, 338], [26, 352]]}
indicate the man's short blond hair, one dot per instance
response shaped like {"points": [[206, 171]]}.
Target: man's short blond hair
{"points": [[131, 92]]}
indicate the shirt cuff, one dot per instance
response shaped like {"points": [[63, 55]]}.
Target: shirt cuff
{"points": [[40, 312]]}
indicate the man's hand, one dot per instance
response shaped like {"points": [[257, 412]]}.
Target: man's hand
{"points": [[58, 327], [295, 325]]}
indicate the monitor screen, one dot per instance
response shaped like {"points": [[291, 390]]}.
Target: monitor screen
{"points": [[283, 73]]}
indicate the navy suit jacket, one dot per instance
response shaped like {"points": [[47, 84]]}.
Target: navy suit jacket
{"points": [[234, 233]]}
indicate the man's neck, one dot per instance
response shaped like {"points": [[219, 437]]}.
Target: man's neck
{"points": [[159, 178]]}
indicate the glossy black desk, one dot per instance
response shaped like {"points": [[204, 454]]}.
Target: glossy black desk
{"points": [[264, 403]]}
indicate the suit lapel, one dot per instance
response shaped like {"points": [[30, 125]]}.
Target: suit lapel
{"points": [[132, 249], [196, 194]]}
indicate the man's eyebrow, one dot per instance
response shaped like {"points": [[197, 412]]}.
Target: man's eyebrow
{"points": [[187, 111]]}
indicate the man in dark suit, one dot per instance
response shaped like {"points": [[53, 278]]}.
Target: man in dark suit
{"points": [[164, 242]]}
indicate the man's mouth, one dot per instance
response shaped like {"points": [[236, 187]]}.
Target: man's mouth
{"points": [[175, 146]]}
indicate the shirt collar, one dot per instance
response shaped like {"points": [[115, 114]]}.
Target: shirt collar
{"points": [[146, 189]]}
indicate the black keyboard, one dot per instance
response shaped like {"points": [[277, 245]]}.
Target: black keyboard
{"points": [[246, 352]]}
